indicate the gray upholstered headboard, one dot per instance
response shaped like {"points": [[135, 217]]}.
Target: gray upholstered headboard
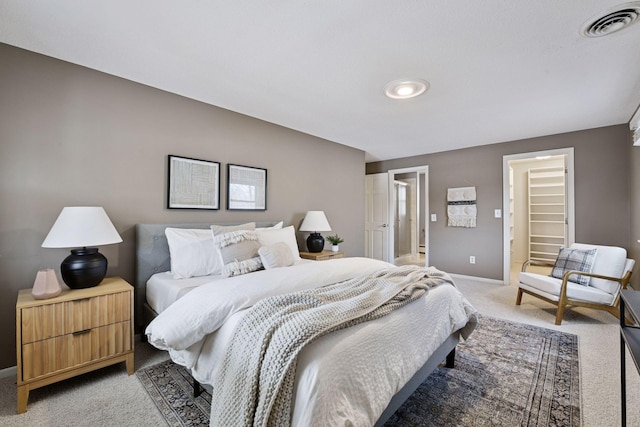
{"points": [[152, 254]]}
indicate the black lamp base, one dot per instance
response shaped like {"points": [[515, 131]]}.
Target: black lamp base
{"points": [[84, 268], [315, 243]]}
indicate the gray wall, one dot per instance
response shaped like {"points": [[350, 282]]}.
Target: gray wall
{"points": [[602, 195], [73, 136]]}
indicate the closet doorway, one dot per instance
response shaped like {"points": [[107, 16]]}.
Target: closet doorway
{"points": [[538, 206]]}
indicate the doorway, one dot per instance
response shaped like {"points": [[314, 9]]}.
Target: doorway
{"points": [[408, 207], [403, 219], [538, 206]]}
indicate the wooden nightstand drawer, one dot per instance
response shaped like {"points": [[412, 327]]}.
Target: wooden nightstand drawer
{"points": [[54, 320], [53, 355]]}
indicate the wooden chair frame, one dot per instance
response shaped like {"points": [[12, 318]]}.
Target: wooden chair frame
{"points": [[564, 301]]}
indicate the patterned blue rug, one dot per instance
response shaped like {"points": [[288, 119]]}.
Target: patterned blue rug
{"points": [[507, 374]]}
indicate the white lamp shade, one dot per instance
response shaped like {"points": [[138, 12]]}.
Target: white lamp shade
{"points": [[81, 226], [315, 221]]}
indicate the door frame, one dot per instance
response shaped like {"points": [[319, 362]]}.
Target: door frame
{"points": [[506, 218], [424, 205]]}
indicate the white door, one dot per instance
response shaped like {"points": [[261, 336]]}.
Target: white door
{"points": [[377, 216]]}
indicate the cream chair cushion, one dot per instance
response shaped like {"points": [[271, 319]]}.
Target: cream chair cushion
{"points": [[549, 287]]}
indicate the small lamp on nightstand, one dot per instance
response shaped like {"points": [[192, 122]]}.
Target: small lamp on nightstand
{"points": [[81, 227], [315, 221]]}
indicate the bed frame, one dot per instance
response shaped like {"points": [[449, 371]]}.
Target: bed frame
{"points": [[152, 256]]}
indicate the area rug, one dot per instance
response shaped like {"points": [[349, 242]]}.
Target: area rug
{"points": [[506, 374]]}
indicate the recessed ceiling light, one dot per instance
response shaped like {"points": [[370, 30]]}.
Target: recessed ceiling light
{"points": [[612, 20], [405, 88]]}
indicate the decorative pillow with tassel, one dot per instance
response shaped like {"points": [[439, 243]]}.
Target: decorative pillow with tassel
{"points": [[239, 250]]}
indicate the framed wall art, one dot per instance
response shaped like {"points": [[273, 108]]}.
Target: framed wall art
{"points": [[193, 184], [246, 188]]}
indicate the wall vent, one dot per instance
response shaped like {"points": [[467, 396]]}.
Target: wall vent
{"points": [[613, 20]]}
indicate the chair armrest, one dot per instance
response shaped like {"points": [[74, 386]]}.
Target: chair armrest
{"points": [[597, 276], [535, 262], [624, 281]]}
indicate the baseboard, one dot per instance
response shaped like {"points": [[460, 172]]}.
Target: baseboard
{"points": [[478, 279], [11, 371]]}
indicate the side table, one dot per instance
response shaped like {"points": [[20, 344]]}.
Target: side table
{"points": [[76, 332], [322, 256]]}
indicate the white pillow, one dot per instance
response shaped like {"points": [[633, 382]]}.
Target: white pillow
{"points": [[192, 253], [277, 226], [286, 235], [276, 255]]}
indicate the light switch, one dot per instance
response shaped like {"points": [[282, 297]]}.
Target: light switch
{"points": [[497, 213], [433, 218]]}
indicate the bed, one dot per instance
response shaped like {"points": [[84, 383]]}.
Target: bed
{"points": [[366, 397]]}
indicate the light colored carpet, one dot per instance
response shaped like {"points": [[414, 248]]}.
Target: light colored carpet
{"points": [[111, 398]]}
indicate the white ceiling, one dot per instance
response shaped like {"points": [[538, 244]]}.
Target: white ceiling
{"points": [[500, 70]]}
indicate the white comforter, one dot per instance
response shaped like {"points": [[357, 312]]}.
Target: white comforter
{"points": [[344, 378]]}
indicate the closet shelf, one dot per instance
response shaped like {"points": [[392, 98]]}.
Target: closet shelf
{"points": [[546, 236], [547, 213], [546, 185], [552, 254]]}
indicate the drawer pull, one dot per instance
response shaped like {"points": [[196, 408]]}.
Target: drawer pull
{"points": [[82, 299], [82, 332]]}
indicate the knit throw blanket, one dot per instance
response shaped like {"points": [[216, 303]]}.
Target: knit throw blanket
{"points": [[461, 207], [254, 384]]}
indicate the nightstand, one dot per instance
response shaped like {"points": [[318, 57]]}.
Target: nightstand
{"points": [[322, 256], [76, 332]]}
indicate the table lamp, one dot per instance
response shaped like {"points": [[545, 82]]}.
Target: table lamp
{"points": [[80, 227], [315, 221]]}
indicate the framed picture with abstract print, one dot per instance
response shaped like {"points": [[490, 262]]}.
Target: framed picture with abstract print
{"points": [[246, 188], [193, 184]]}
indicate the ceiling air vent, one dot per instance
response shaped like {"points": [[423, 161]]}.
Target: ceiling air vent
{"points": [[613, 20]]}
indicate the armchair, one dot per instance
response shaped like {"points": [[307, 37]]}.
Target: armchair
{"points": [[610, 272]]}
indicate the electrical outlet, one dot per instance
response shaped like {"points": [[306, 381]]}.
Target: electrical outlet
{"points": [[497, 213], [472, 259], [434, 218]]}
